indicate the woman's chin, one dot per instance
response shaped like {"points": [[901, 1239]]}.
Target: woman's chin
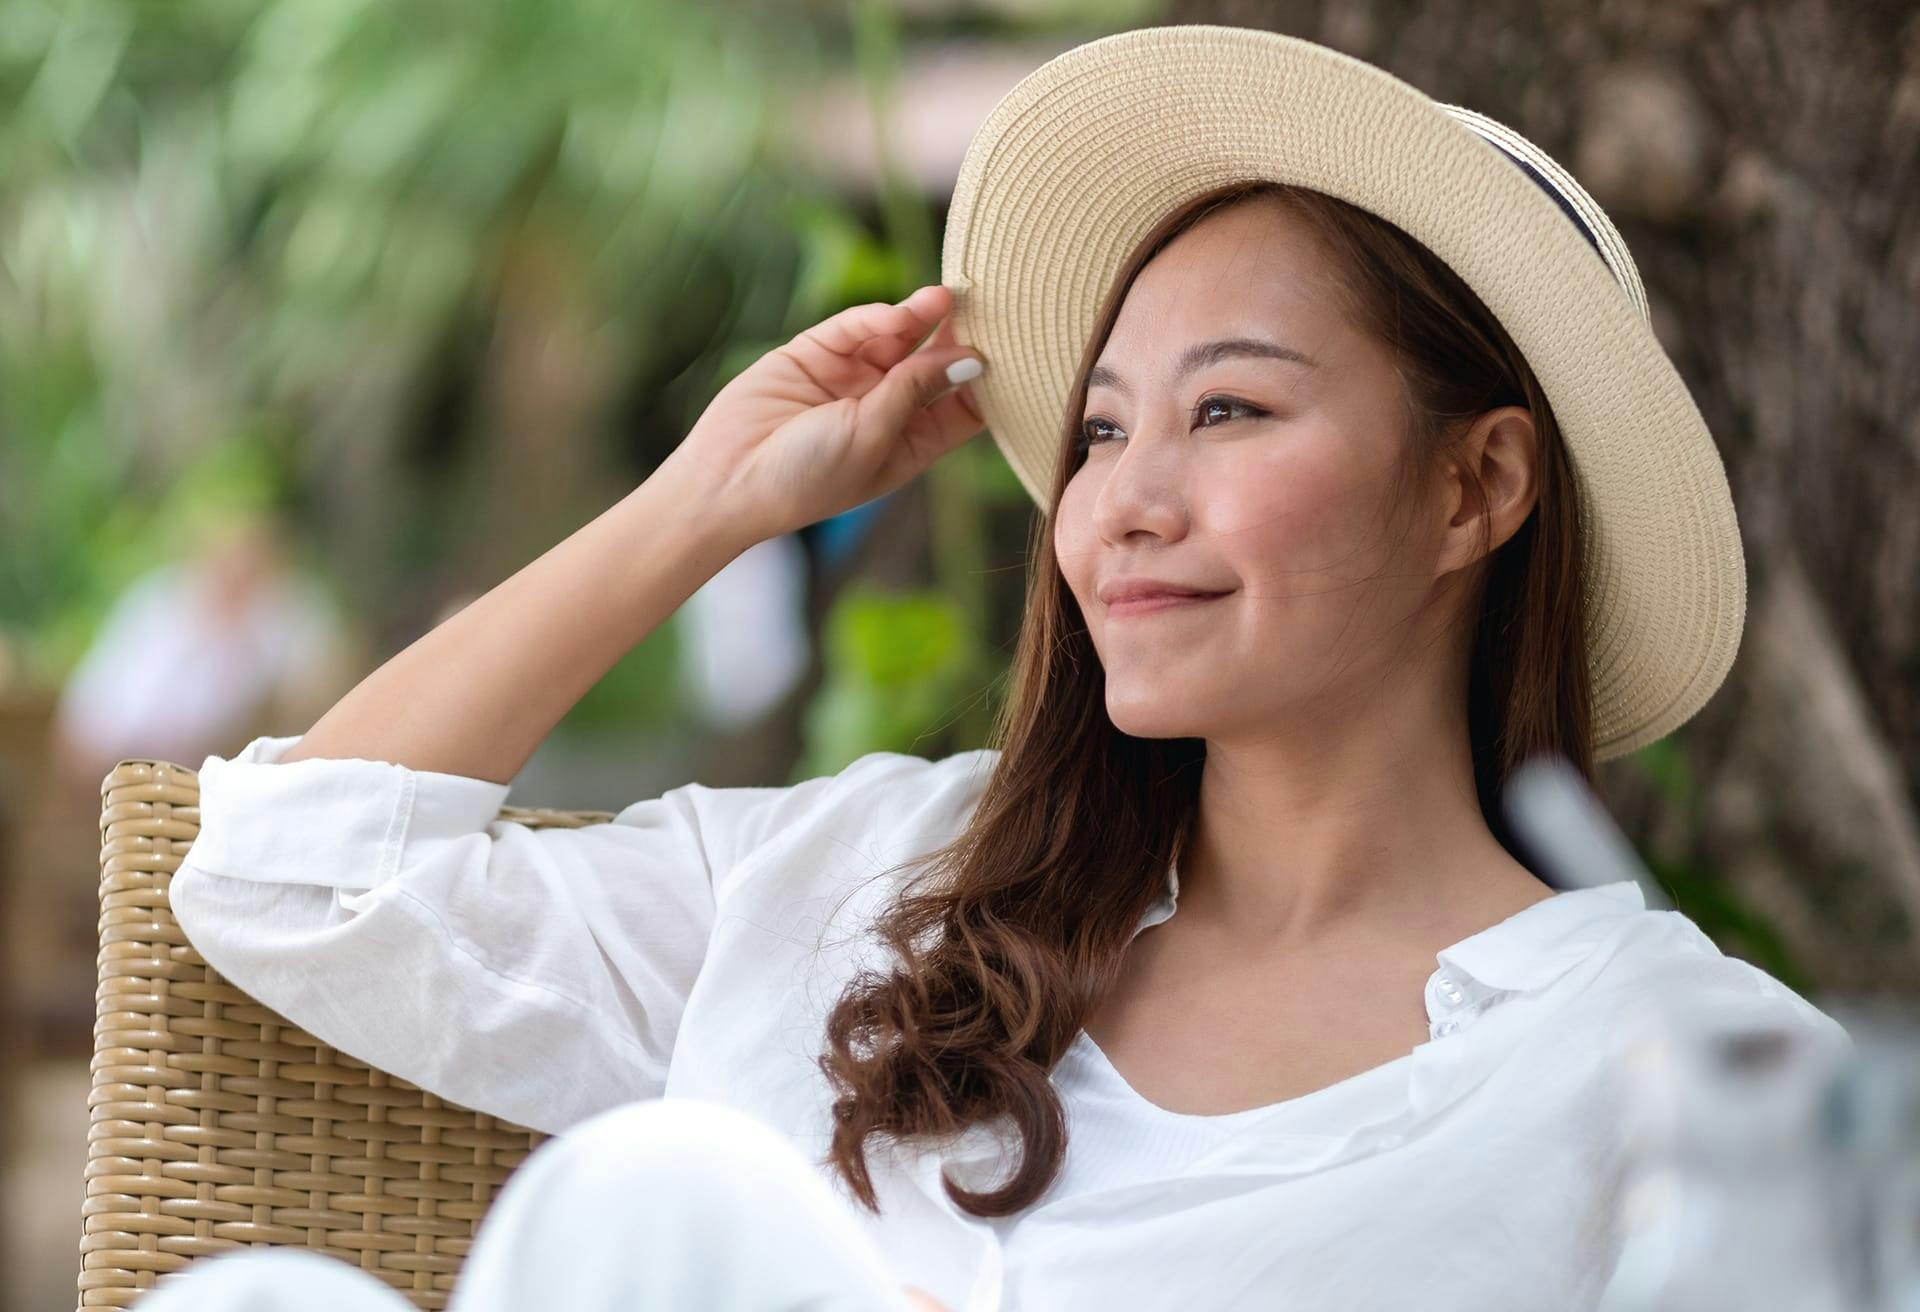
{"points": [[1155, 718]]}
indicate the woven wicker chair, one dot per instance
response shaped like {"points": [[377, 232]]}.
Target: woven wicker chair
{"points": [[216, 1124]]}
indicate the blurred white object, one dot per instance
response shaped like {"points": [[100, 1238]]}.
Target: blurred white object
{"points": [[1558, 818], [1737, 1198], [744, 640], [1876, 1126]]}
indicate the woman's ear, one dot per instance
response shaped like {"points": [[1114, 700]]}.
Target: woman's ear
{"points": [[1492, 475]]}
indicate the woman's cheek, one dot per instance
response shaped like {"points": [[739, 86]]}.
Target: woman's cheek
{"points": [[1073, 537]]}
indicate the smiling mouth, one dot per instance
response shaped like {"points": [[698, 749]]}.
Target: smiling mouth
{"points": [[1163, 601]]}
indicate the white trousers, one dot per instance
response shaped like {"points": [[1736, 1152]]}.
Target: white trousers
{"points": [[662, 1205]]}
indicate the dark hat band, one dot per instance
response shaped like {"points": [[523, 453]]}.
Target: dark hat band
{"points": [[1566, 206]]}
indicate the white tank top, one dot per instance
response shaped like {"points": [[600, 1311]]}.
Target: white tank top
{"points": [[1116, 1136]]}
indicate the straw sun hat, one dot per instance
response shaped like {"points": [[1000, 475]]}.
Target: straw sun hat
{"points": [[1078, 162]]}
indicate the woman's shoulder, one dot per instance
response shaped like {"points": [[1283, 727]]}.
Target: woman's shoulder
{"points": [[1665, 968], [901, 783], [884, 804], [909, 793], [909, 774]]}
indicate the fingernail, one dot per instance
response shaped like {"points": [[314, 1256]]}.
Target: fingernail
{"points": [[963, 369]]}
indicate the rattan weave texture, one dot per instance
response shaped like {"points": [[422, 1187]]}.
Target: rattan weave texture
{"points": [[215, 1123]]}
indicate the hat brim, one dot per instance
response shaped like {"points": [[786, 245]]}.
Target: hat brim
{"points": [[1080, 160]]}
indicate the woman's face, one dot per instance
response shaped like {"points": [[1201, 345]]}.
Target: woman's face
{"points": [[1226, 469]]}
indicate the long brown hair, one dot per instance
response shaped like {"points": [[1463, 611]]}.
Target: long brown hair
{"points": [[1024, 922]]}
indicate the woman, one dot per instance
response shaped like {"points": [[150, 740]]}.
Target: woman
{"points": [[1367, 1053]]}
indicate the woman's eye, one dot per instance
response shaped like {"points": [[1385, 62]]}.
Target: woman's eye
{"points": [[1226, 402], [1090, 436]]}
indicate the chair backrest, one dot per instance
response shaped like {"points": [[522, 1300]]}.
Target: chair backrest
{"points": [[217, 1124]]}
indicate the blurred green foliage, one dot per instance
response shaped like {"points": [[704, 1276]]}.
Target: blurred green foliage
{"points": [[898, 664], [226, 219], [285, 239], [1701, 894]]}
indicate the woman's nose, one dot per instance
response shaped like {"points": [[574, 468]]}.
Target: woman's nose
{"points": [[1143, 490]]}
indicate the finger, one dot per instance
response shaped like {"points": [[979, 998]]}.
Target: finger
{"points": [[916, 382], [929, 304], [883, 353], [887, 350], [943, 424], [961, 396], [846, 332]]}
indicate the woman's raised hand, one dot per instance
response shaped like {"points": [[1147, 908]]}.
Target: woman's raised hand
{"points": [[845, 412]]}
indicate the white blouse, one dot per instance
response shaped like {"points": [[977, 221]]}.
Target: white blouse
{"points": [[692, 945]]}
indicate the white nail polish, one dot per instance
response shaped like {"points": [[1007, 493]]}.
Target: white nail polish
{"points": [[963, 369]]}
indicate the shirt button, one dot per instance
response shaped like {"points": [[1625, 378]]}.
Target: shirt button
{"points": [[1449, 990], [1446, 1027]]}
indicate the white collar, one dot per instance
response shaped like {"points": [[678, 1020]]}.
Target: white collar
{"points": [[1539, 943]]}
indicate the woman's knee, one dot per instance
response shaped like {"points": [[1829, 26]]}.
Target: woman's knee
{"points": [[688, 1160], [675, 1136], [657, 1203], [272, 1280]]}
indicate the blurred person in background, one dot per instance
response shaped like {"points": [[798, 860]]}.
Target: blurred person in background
{"points": [[199, 650]]}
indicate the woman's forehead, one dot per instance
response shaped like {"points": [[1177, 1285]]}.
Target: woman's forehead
{"points": [[1276, 329], [1230, 281]]}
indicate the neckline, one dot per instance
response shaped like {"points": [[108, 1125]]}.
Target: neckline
{"points": [[1111, 1073], [1496, 955], [1488, 955]]}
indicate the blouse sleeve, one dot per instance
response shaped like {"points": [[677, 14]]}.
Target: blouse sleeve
{"points": [[1736, 991], [536, 974]]}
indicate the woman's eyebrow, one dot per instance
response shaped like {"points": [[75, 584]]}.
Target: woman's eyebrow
{"points": [[1202, 354]]}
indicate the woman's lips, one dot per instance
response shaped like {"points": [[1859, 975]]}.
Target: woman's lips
{"points": [[1165, 601]]}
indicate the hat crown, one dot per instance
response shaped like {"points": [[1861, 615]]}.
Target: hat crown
{"points": [[1573, 199]]}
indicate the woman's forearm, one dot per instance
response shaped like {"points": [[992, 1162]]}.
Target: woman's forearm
{"points": [[479, 693]]}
